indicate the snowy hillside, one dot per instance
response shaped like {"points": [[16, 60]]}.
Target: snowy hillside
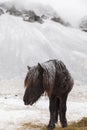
{"points": [[23, 43]]}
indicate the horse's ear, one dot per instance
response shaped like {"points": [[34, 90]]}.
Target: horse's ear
{"points": [[40, 67], [28, 67]]}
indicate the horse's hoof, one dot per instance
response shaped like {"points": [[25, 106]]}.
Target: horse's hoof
{"points": [[64, 125], [56, 121], [50, 127]]}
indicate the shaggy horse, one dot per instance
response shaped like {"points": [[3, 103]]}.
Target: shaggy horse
{"points": [[53, 78]]}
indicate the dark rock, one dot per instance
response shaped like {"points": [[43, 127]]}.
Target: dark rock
{"points": [[61, 21], [1, 11], [14, 11], [39, 19], [16, 95], [5, 97], [44, 17], [83, 24], [57, 19], [85, 30], [30, 16]]}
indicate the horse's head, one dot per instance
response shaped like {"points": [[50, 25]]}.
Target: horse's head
{"points": [[39, 78], [33, 85]]}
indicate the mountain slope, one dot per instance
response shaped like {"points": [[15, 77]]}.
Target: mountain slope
{"points": [[23, 43]]}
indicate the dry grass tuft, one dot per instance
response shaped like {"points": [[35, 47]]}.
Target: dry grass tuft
{"points": [[80, 125], [30, 126]]}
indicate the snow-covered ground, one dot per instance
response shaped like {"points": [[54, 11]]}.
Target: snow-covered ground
{"points": [[13, 112], [23, 43]]}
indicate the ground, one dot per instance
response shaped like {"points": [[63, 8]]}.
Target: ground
{"points": [[14, 115]]}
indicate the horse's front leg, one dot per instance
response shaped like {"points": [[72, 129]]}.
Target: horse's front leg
{"points": [[63, 108], [52, 108]]}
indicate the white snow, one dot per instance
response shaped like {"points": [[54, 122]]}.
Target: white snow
{"points": [[23, 43], [13, 112]]}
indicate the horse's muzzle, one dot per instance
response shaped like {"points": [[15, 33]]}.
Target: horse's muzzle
{"points": [[26, 103]]}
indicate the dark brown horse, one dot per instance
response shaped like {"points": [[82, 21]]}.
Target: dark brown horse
{"points": [[54, 78]]}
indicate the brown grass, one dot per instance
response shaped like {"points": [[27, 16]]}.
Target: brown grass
{"points": [[80, 125]]}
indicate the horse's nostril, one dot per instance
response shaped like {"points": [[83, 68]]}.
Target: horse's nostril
{"points": [[25, 103]]}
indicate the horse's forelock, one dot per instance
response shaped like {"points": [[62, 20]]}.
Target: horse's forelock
{"points": [[26, 81], [31, 76]]}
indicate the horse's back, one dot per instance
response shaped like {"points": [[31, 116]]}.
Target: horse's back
{"points": [[63, 79]]}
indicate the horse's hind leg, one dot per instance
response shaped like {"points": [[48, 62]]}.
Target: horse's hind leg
{"points": [[52, 109], [63, 108], [57, 109]]}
